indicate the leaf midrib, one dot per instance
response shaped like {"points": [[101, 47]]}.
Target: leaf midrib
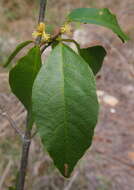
{"points": [[64, 101]]}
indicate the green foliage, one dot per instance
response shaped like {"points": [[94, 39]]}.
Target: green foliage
{"points": [[64, 99], [60, 95], [22, 76], [101, 17], [94, 56]]}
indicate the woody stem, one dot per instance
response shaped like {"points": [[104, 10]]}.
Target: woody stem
{"points": [[41, 17]]}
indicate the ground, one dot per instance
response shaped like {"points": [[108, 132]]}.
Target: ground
{"points": [[109, 163]]}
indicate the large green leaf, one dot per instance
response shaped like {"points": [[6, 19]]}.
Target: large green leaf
{"points": [[16, 51], [94, 56], [22, 76], [65, 107], [101, 17]]}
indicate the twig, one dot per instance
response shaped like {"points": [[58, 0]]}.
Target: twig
{"points": [[34, 133], [41, 17], [52, 40], [45, 47], [29, 124], [4, 176], [25, 154], [12, 124], [42, 10], [56, 35]]}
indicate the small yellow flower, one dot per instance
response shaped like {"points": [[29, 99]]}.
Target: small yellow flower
{"points": [[35, 34], [66, 28], [46, 37], [41, 27], [41, 32]]}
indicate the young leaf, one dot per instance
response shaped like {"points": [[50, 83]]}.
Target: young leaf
{"points": [[22, 76], [94, 56], [16, 51], [65, 107], [101, 17]]}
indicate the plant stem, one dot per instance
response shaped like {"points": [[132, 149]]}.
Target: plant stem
{"points": [[41, 17], [25, 154], [53, 38], [12, 123], [42, 10], [29, 124]]}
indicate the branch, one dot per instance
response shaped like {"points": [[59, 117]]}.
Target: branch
{"points": [[25, 154], [29, 124], [12, 124], [41, 17], [42, 10], [52, 40]]}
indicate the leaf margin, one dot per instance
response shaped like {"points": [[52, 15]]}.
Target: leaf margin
{"points": [[18, 48], [115, 28]]}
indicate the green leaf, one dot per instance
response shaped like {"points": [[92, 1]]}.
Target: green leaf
{"points": [[65, 107], [101, 17], [54, 44], [16, 51], [94, 56], [22, 76]]}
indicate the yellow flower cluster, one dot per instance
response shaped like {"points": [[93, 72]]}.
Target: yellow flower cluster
{"points": [[66, 28], [42, 33]]}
